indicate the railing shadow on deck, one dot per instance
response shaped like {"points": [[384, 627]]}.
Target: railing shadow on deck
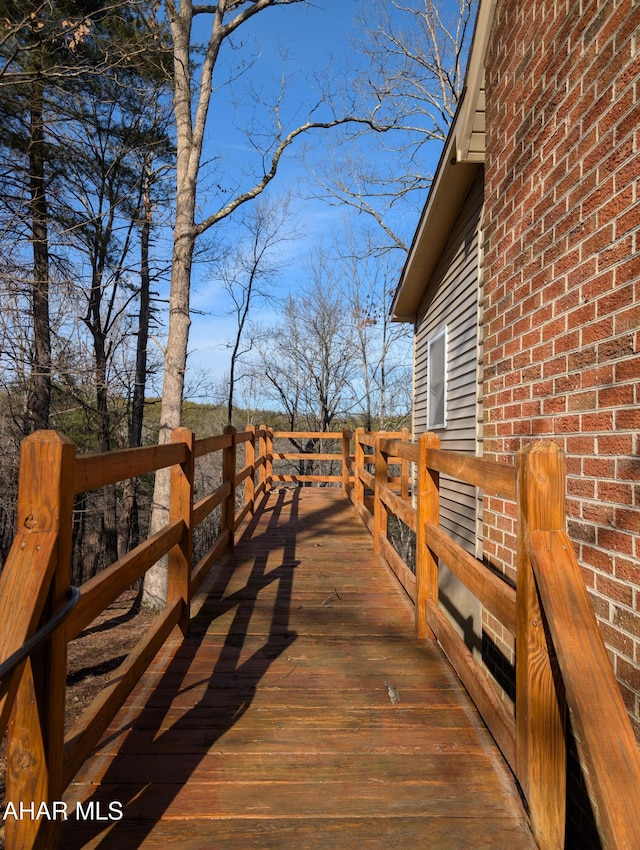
{"points": [[230, 703], [559, 653]]}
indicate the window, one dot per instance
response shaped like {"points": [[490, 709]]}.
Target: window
{"points": [[437, 381]]}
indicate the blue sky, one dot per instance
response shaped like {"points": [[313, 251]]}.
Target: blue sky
{"points": [[312, 38]]}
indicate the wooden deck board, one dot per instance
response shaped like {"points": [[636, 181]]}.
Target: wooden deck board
{"points": [[277, 723]]}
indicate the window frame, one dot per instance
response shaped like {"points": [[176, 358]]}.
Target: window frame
{"points": [[432, 387]]}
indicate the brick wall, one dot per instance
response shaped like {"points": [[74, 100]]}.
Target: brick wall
{"points": [[562, 285]]}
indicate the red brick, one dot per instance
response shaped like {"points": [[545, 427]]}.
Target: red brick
{"points": [[595, 331], [628, 621], [628, 673], [567, 342], [602, 561], [628, 520], [597, 377], [562, 87], [581, 445], [602, 421], [616, 396], [582, 401], [627, 270], [627, 320], [582, 359], [620, 202], [615, 444], [599, 514], [616, 252], [612, 349], [574, 464], [615, 590], [617, 492], [599, 467], [554, 404], [617, 639], [554, 367], [597, 284], [615, 541], [619, 298], [566, 425], [628, 420]]}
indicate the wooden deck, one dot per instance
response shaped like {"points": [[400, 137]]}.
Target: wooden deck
{"points": [[300, 713]]}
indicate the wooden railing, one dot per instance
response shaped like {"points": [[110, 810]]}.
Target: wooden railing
{"points": [[559, 654], [560, 657], [310, 438], [42, 759]]}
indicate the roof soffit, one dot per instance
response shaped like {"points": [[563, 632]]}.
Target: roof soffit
{"points": [[463, 152]]}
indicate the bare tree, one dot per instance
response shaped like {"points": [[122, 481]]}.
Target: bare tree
{"points": [[308, 359], [249, 271], [191, 103], [411, 54]]}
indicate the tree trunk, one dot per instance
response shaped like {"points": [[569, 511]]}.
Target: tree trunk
{"points": [[39, 395], [188, 153], [129, 535], [109, 503], [155, 585]]}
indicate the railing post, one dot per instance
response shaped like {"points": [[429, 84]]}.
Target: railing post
{"points": [[35, 744], [262, 453], [250, 460], [380, 513], [427, 511], [346, 461], [540, 701], [269, 460], [358, 464], [229, 475], [404, 468], [181, 507]]}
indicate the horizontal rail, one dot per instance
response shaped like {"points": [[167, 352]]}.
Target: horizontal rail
{"points": [[100, 469], [365, 515], [9, 664], [241, 515], [205, 506], [367, 440], [367, 478], [492, 477], [401, 508], [99, 592], [318, 479], [207, 445], [500, 723], [86, 733], [307, 456], [244, 473], [494, 593], [201, 570], [244, 437], [307, 435], [400, 449], [402, 572]]}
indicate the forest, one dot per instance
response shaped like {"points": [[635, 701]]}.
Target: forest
{"points": [[117, 199]]}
